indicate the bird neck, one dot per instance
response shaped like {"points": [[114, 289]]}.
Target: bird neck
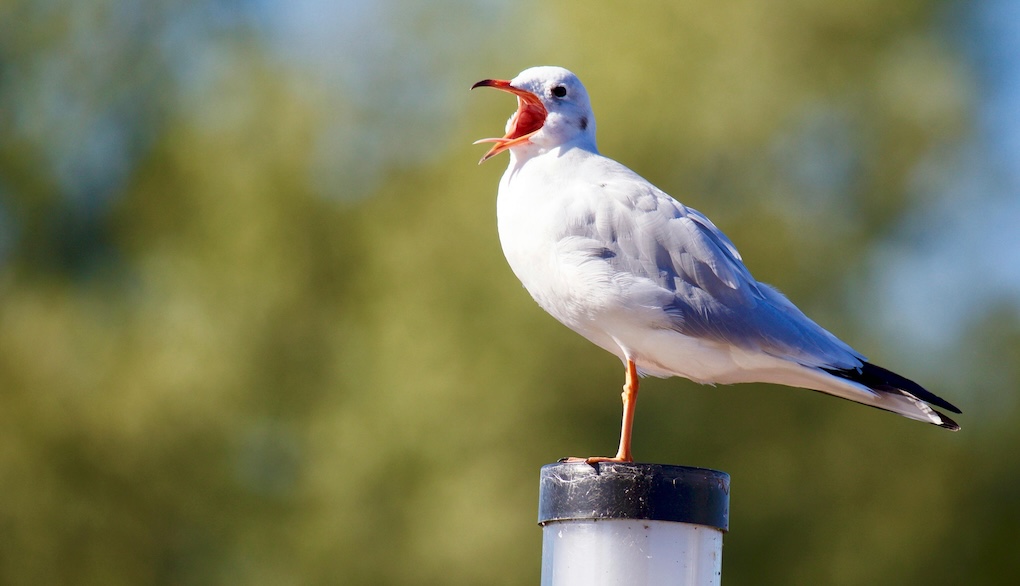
{"points": [[582, 142]]}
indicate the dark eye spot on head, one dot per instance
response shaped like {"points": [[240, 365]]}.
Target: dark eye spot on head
{"points": [[584, 123], [559, 91]]}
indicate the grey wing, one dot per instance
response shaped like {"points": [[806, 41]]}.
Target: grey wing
{"points": [[708, 292]]}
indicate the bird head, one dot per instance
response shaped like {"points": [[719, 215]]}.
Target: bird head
{"points": [[552, 110]]}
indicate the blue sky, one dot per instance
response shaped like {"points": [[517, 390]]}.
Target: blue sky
{"points": [[959, 251]]}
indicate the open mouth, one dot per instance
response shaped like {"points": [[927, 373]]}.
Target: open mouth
{"points": [[526, 121]]}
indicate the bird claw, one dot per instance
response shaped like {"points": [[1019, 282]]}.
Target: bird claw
{"points": [[592, 460]]}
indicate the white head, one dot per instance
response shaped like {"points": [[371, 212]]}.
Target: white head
{"points": [[552, 110]]}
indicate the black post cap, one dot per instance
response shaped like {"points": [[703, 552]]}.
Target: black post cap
{"points": [[615, 490]]}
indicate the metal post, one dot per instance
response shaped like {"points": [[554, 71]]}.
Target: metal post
{"points": [[612, 524]]}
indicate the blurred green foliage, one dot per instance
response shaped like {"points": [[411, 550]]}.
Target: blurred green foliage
{"points": [[226, 358]]}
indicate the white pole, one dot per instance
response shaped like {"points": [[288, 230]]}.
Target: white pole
{"points": [[612, 524]]}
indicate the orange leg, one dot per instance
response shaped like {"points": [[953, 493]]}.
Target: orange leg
{"points": [[630, 390]]}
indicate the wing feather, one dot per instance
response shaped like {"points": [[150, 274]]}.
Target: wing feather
{"points": [[650, 235]]}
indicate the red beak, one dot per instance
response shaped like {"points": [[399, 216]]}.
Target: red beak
{"points": [[528, 119]]}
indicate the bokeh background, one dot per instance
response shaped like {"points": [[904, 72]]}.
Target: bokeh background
{"points": [[256, 327]]}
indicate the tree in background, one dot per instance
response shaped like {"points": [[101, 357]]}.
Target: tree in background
{"points": [[255, 326]]}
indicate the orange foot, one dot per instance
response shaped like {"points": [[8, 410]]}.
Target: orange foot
{"points": [[630, 390], [594, 460]]}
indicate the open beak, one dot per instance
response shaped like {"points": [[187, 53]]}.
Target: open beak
{"points": [[528, 119]]}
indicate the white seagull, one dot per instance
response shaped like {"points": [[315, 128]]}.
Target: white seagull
{"points": [[652, 281]]}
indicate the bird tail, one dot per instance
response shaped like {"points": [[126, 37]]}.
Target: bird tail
{"points": [[892, 392]]}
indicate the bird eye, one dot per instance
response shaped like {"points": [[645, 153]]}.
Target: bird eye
{"points": [[559, 91]]}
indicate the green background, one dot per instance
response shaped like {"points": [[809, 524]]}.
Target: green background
{"points": [[256, 326]]}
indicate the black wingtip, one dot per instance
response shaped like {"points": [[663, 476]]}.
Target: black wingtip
{"points": [[947, 423], [881, 379]]}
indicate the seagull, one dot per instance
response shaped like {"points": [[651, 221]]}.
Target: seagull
{"points": [[654, 282]]}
